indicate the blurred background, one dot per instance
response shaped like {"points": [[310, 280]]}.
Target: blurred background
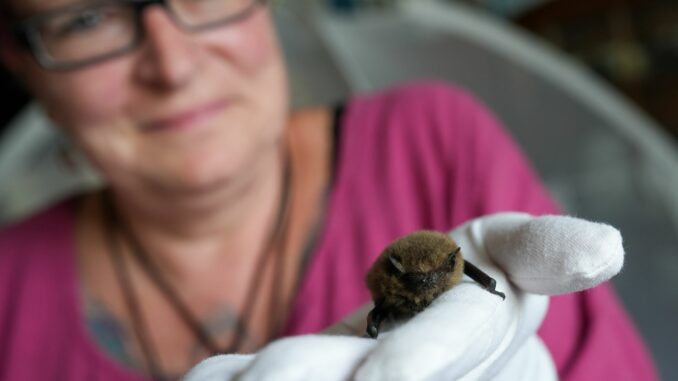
{"points": [[588, 88]]}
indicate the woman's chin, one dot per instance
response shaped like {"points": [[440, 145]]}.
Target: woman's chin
{"points": [[203, 176]]}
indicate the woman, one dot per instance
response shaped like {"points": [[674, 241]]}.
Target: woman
{"points": [[228, 220]]}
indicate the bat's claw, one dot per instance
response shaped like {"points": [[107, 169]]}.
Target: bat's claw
{"points": [[498, 293], [372, 330], [492, 288], [373, 320]]}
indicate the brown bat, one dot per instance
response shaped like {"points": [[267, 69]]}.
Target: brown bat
{"points": [[414, 270]]}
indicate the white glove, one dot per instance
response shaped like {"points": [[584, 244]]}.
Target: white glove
{"points": [[467, 333]]}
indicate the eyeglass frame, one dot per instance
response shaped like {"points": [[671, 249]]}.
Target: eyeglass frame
{"points": [[25, 32]]}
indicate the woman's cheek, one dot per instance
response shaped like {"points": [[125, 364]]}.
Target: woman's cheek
{"points": [[85, 98]]}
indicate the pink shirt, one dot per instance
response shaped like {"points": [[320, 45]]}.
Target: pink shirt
{"points": [[418, 156]]}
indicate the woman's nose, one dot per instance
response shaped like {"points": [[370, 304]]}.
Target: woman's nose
{"points": [[169, 55]]}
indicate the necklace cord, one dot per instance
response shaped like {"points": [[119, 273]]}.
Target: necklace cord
{"points": [[113, 223], [122, 274]]}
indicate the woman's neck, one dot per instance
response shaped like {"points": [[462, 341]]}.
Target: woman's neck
{"points": [[237, 217]]}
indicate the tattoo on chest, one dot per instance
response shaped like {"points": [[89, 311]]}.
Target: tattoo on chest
{"points": [[116, 337], [110, 333]]}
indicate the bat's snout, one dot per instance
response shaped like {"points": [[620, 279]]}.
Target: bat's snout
{"points": [[419, 282]]}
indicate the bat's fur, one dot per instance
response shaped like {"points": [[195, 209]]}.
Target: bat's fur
{"points": [[426, 254]]}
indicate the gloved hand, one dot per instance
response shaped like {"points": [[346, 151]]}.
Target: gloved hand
{"points": [[466, 333]]}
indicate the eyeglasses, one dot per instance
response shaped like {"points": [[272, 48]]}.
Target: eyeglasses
{"points": [[83, 34]]}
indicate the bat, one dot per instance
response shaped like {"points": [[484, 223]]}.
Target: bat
{"points": [[414, 270]]}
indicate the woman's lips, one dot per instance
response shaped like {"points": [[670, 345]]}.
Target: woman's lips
{"points": [[186, 119]]}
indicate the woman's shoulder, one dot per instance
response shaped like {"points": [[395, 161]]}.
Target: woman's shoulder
{"points": [[34, 260], [421, 95], [36, 291], [429, 110], [432, 117], [41, 231], [428, 131]]}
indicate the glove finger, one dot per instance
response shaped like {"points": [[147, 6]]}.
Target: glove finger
{"points": [[551, 255]]}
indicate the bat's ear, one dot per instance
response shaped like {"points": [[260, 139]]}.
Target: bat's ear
{"points": [[396, 263], [452, 259]]}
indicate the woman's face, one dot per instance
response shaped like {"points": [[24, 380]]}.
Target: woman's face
{"points": [[182, 112]]}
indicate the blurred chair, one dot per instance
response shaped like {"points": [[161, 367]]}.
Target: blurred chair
{"points": [[602, 158]]}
